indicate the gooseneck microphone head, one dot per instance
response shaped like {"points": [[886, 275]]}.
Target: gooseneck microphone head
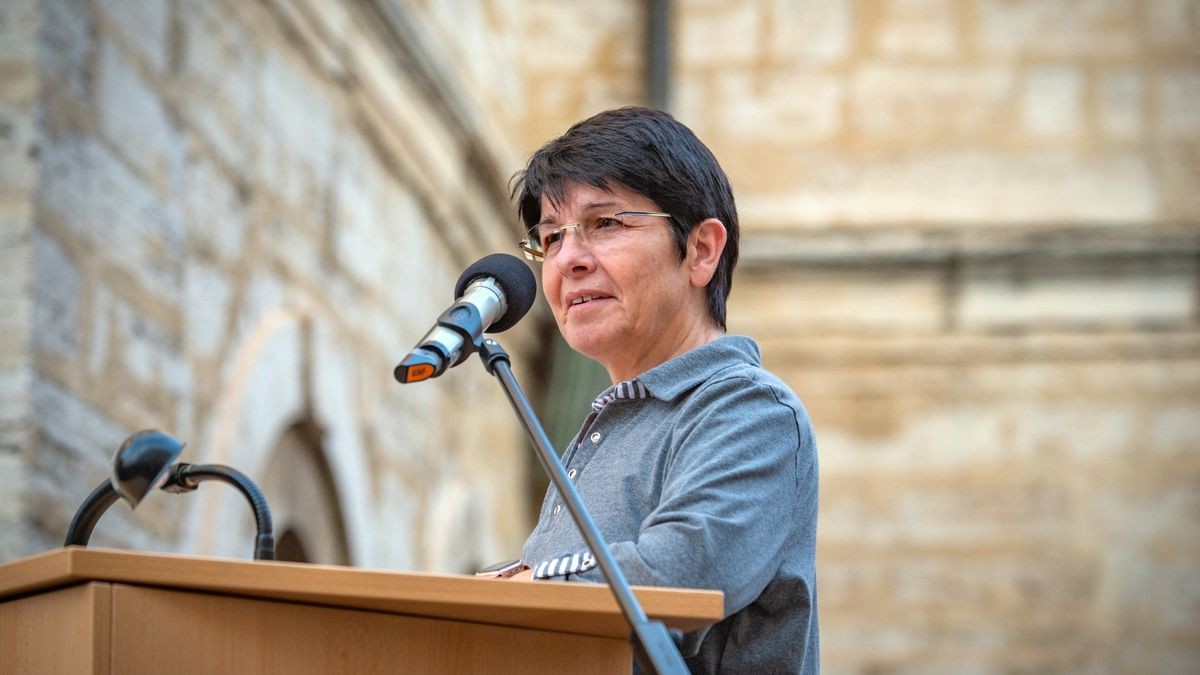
{"points": [[140, 463], [515, 280]]}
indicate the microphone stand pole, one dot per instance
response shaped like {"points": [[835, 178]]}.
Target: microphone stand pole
{"points": [[652, 642]]}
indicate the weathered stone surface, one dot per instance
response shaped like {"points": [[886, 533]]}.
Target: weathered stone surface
{"points": [[969, 187], [1172, 24], [919, 28], [135, 121], [219, 82], [1121, 105], [1052, 102], [1155, 295], [1059, 28], [904, 103], [799, 106], [66, 38], [214, 211], [57, 299], [88, 189], [145, 25], [1177, 102], [975, 269], [297, 131]]}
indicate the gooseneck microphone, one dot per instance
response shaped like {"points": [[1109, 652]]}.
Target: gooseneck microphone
{"points": [[492, 295], [142, 463]]}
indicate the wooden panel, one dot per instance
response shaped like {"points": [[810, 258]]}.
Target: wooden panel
{"points": [[587, 609], [63, 631], [159, 631]]}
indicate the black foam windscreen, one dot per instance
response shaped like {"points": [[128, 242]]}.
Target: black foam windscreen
{"points": [[513, 276]]}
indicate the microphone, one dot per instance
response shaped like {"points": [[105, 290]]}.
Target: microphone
{"points": [[492, 295]]}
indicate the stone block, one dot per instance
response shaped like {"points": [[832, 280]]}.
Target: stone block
{"points": [[214, 210], [719, 34], [906, 103], [1052, 102], [956, 186], [18, 25], [1178, 166], [218, 82], [1129, 297], [864, 302], [1178, 104], [1172, 24], [18, 168], [15, 381], [1120, 105], [1058, 28], [145, 25], [787, 105], [297, 134], [134, 119], [15, 304], [57, 296], [361, 220], [87, 436], [822, 33], [66, 39], [149, 352], [207, 297], [369, 207], [90, 193], [918, 28]]}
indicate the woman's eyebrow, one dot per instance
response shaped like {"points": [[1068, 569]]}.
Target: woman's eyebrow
{"points": [[590, 206]]}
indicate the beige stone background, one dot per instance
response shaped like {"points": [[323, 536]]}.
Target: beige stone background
{"points": [[971, 235]]}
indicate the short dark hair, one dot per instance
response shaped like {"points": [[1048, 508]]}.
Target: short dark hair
{"points": [[651, 153]]}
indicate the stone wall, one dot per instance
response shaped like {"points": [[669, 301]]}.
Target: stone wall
{"points": [[971, 244], [18, 172], [228, 221], [971, 238]]}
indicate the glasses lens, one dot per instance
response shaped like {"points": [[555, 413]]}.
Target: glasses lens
{"points": [[531, 245]]}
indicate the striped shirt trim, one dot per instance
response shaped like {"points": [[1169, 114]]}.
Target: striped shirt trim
{"points": [[564, 565], [632, 390]]}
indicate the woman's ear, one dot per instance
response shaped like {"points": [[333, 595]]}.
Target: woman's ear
{"points": [[705, 245]]}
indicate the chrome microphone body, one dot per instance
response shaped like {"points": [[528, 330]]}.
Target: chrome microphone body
{"points": [[485, 297], [493, 294]]}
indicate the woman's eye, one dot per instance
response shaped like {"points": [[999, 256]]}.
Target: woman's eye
{"points": [[552, 238], [606, 223]]}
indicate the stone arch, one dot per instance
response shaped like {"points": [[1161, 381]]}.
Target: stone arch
{"points": [[304, 500], [290, 366]]}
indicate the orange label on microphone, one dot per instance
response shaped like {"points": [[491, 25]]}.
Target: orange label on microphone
{"points": [[421, 371]]}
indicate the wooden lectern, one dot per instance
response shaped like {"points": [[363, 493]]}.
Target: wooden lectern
{"points": [[80, 610]]}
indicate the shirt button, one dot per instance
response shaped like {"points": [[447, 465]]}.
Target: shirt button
{"points": [[595, 436], [571, 473], [557, 509]]}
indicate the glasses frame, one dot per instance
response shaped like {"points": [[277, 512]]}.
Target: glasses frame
{"points": [[538, 255]]}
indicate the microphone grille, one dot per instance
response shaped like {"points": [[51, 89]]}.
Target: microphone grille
{"points": [[513, 276]]}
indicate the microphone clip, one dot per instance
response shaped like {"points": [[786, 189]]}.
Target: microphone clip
{"points": [[431, 358]]}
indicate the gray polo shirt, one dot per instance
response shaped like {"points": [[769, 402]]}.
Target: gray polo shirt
{"points": [[708, 482]]}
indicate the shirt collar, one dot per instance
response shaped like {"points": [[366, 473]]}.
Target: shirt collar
{"points": [[668, 380], [629, 389]]}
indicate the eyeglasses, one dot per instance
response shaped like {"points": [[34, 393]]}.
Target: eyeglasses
{"points": [[595, 233]]}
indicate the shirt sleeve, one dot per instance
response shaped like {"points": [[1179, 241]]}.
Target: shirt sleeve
{"points": [[741, 469]]}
